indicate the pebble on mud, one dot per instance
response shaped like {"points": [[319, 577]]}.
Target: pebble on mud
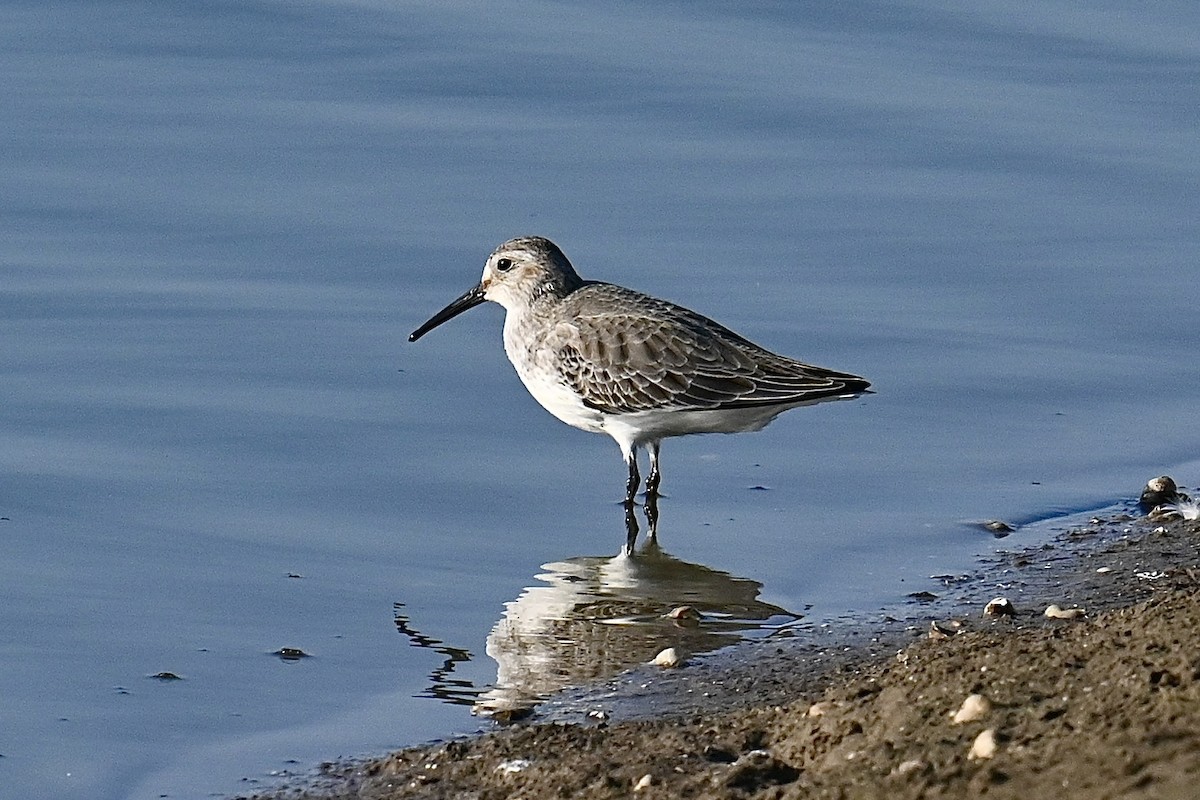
{"points": [[819, 709], [645, 782], [513, 765], [976, 706], [668, 658], [290, 653], [1054, 611], [910, 766], [999, 607], [984, 746], [998, 528], [505, 715], [685, 616], [1162, 489]]}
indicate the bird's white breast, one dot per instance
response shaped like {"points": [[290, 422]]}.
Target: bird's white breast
{"points": [[537, 366]]}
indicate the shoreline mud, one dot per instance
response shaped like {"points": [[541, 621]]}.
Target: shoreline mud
{"points": [[1100, 701]]}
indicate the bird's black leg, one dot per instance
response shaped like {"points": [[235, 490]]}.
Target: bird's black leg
{"points": [[631, 486], [655, 476]]}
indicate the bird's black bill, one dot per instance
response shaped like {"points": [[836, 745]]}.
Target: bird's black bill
{"points": [[464, 303]]}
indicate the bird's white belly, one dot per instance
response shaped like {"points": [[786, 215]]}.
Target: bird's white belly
{"points": [[647, 426], [557, 398]]}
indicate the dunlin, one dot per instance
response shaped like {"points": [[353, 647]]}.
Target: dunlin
{"points": [[611, 360]]}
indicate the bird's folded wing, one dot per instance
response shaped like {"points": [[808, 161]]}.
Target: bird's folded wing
{"points": [[623, 363]]}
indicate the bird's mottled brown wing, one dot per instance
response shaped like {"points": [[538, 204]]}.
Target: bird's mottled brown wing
{"points": [[653, 355]]}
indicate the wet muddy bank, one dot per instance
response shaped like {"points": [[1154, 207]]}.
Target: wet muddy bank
{"points": [[1104, 704]]}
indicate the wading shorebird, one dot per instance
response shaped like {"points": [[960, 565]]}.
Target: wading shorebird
{"points": [[611, 360]]}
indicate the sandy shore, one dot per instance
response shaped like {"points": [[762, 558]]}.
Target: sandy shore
{"points": [[1106, 704]]}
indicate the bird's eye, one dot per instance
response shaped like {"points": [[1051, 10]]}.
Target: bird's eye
{"points": [[504, 264]]}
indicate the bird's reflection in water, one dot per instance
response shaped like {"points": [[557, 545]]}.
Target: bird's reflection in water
{"points": [[596, 616]]}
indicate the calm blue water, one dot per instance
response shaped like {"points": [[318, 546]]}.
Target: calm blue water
{"points": [[220, 222]]}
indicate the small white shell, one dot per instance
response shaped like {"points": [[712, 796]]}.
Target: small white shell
{"points": [[685, 616], [668, 658], [976, 706], [984, 746], [1054, 611], [819, 709]]}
